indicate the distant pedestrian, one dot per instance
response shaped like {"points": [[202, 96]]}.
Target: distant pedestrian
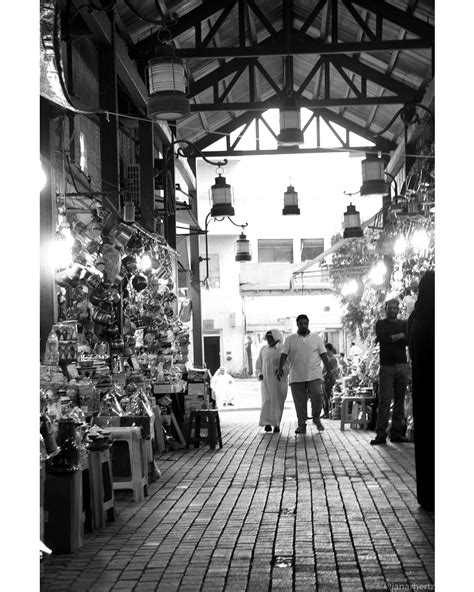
{"points": [[391, 334], [329, 378], [248, 344], [221, 384], [305, 351], [273, 390], [421, 345], [344, 365]]}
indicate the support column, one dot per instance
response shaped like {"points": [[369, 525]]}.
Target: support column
{"points": [[195, 284], [109, 155], [170, 197], [48, 303], [147, 181]]}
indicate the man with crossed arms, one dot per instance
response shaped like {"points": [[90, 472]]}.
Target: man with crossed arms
{"points": [[305, 351]]}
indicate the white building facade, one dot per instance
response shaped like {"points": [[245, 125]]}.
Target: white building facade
{"points": [[241, 300]]}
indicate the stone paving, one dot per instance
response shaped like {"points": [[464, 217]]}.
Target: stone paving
{"points": [[268, 512]]}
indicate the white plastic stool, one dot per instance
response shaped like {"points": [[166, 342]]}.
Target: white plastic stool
{"points": [[102, 487], [359, 407], [136, 475]]}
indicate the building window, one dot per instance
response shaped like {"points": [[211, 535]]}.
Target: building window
{"points": [[275, 251], [214, 272], [311, 248]]}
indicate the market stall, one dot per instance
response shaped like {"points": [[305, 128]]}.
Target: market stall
{"points": [[114, 375]]}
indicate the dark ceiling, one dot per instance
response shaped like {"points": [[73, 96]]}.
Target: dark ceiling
{"points": [[352, 63]]}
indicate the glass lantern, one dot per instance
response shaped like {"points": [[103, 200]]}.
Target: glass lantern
{"points": [[242, 249], [290, 125], [221, 198], [290, 202], [373, 176], [352, 228], [166, 87]]}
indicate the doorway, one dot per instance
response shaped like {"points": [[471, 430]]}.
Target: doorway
{"points": [[212, 352]]}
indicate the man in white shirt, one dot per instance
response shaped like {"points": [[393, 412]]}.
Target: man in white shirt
{"points": [[305, 351]]}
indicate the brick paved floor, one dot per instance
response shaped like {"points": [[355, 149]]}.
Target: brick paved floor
{"points": [[321, 512]]}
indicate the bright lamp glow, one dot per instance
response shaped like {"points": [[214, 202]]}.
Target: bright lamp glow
{"points": [[400, 245], [349, 287], [42, 177], [377, 273], [60, 250], [420, 240], [145, 262]]}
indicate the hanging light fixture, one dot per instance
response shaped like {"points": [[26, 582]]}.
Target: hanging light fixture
{"points": [[167, 85], [242, 248], [290, 124], [373, 176], [352, 228], [221, 197], [290, 202]]}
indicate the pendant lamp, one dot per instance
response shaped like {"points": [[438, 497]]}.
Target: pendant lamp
{"points": [[242, 248], [167, 86], [221, 198], [373, 176], [290, 125], [290, 202], [352, 228]]}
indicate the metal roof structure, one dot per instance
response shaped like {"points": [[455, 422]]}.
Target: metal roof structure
{"points": [[353, 63]]}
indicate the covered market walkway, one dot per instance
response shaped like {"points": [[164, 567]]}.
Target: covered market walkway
{"points": [[320, 512]]}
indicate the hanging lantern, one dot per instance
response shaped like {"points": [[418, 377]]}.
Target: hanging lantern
{"points": [[242, 249], [167, 86], [352, 228], [221, 198], [290, 125], [373, 176], [129, 212], [290, 202]]}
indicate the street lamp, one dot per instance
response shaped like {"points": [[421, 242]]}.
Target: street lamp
{"points": [[242, 245]]}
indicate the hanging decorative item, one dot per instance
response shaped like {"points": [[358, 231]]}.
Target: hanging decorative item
{"points": [[352, 228], [373, 176], [290, 124], [166, 81], [221, 197], [242, 249], [290, 202]]}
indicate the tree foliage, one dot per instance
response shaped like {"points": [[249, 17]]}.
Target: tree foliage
{"points": [[352, 261]]}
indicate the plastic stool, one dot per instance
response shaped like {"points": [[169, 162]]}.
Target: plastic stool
{"points": [[102, 487], [358, 408], [128, 458], [213, 427]]}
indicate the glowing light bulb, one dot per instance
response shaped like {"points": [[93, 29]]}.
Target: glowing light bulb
{"points": [[400, 245], [377, 273], [145, 262], [349, 287], [420, 240], [60, 252]]}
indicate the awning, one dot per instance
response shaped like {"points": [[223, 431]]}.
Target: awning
{"points": [[184, 216], [375, 220]]}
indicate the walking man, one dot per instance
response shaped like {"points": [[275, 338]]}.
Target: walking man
{"points": [[305, 351], [393, 374]]}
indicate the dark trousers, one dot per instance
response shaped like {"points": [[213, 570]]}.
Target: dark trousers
{"points": [[424, 427], [300, 392], [393, 381]]}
